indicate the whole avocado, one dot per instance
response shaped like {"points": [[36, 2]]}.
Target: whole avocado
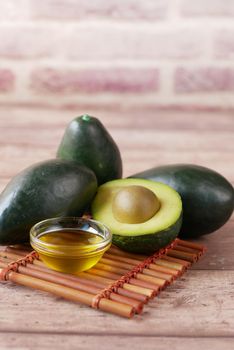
{"points": [[48, 189], [86, 141], [207, 197]]}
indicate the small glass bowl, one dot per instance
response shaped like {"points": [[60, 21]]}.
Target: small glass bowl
{"points": [[70, 256]]}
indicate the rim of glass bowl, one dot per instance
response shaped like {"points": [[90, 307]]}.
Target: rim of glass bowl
{"points": [[55, 224]]}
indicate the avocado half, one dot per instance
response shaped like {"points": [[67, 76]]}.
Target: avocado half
{"points": [[148, 236]]}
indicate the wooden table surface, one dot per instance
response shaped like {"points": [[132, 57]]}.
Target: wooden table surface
{"points": [[197, 311]]}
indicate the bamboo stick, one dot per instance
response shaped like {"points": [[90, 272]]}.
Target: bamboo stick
{"points": [[123, 259], [99, 265], [106, 281], [79, 285], [134, 293], [140, 286], [133, 281], [128, 265], [186, 264], [116, 251], [133, 262], [183, 246], [157, 281], [164, 269], [171, 265], [193, 245], [139, 276], [149, 293], [133, 285], [154, 280], [140, 294], [122, 256], [126, 299], [108, 305], [170, 273], [111, 268], [117, 263], [16, 256], [102, 273], [122, 271], [182, 255], [53, 278], [142, 282], [113, 249], [188, 250], [161, 275], [137, 283]]}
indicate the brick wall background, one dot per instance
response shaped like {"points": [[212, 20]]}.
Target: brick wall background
{"points": [[117, 53]]}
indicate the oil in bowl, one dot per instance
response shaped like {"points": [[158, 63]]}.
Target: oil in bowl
{"points": [[70, 244]]}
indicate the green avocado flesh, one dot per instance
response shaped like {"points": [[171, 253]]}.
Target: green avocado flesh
{"points": [[148, 236]]}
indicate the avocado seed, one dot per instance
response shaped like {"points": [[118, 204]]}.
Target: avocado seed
{"points": [[134, 204]]}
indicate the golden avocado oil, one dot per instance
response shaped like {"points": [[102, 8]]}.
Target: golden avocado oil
{"points": [[70, 250]]}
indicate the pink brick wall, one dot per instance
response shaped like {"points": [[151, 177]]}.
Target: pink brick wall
{"points": [[125, 53]]}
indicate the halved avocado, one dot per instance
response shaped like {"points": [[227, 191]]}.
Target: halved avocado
{"points": [[147, 233]]}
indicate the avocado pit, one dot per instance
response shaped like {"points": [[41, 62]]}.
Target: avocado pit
{"points": [[134, 204]]}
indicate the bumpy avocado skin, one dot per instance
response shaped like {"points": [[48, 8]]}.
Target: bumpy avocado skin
{"points": [[208, 198], [148, 244], [48, 189], [87, 142]]}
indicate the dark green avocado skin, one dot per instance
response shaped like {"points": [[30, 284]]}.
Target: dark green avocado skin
{"points": [[87, 142], [148, 244], [208, 198], [48, 189]]}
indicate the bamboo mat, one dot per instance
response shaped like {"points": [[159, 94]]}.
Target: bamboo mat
{"points": [[120, 283]]}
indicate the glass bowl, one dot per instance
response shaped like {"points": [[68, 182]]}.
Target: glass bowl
{"points": [[70, 244]]}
